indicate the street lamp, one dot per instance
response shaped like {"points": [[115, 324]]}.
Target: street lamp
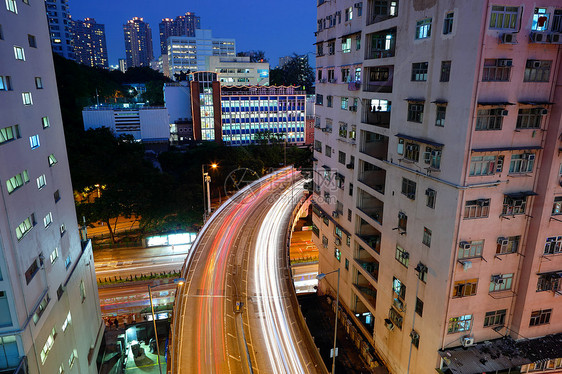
{"points": [[285, 149], [319, 277], [207, 180], [179, 282]]}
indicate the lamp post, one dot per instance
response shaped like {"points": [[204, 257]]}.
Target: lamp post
{"points": [[319, 277], [179, 282], [207, 180]]}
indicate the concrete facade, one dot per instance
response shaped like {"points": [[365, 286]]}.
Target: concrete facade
{"points": [[50, 318], [438, 172], [138, 43], [60, 28], [180, 26], [89, 43], [239, 71]]}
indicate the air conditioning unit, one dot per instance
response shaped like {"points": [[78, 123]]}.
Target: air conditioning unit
{"points": [[504, 62], [503, 241], [555, 38], [543, 112], [358, 5], [464, 245], [536, 64], [405, 255], [467, 341], [337, 241], [508, 38], [349, 166], [414, 335], [401, 215], [411, 196], [353, 108], [497, 278], [335, 214], [481, 202], [538, 37], [504, 112], [529, 156]]}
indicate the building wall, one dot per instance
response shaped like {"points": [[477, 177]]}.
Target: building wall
{"points": [[373, 186], [180, 26], [60, 28], [52, 242], [239, 71], [138, 43], [89, 43]]}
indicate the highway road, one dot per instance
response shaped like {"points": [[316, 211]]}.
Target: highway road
{"points": [[238, 257]]}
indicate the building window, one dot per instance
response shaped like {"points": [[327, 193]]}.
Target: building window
{"points": [[530, 118], [38, 83], [497, 70], [415, 112], [395, 317], [62, 229], [422, 272], [537, 71], [1, 33], [508, 245], [419, 307], [24, 227], [52, 160], [465, 288], [41, 181], [345, 77], [431, 196], [477, 208], [445, 71], [557, 206], [349, 215], [501, 282], [485, 165], [34, 141], [540, 20], [522, 163], [419, 71], [423, 28], [72, 359], [409, 188], [490, 119], [9, 133], [402, 256], [17, 181], [48, 345], [31, 271], [41, 308], [48, 220], [329, 100], [19, 53], [331, 47], [337, 254], [432, 157], [328, 151], [415, 336], [341, 157], [440, 115], [346, 47], [540, 317], [459, 324], [448, 23], [56, 196], [67, 321], [319, 99], [12, 6], [399, 288], [331, 76], [32, 41], [557, 21], [412, 151], [45, 121], [319, 53], [495, 318], [504, 17], [344, 102], [426, 236], [318, 146], [471, 249], [346, 264], [514, 205], [343, 130], [54, 255], [402, 222], [549, 282], [26, 98], [5, 83], [67, 262], [82, 291], [324, 241], [349, 13]]}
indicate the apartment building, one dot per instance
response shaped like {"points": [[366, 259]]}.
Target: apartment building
{"points": [[90, 47], [138, 42], [60, 27], [239, 71], [438, 186], [180, 26], [50, 320]]}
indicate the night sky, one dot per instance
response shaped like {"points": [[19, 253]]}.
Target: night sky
{"points": [[277, 27]]}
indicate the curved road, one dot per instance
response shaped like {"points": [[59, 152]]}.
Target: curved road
{"points": [[234, 260]]}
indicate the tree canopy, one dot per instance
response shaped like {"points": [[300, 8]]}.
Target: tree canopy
{"points": [[297, 72]]}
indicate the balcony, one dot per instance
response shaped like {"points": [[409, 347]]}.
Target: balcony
{"points": [[379, 79], [374, 145], [365, 289], [363, 314], [381, 10], [369, 235], [372, 176], [370, 205], [364, 259], [381, 44]]}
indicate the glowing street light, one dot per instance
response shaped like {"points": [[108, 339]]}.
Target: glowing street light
{"points": [[207, 180]]}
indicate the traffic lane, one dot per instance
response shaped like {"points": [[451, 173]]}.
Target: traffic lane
{"points": [[108, 255]]}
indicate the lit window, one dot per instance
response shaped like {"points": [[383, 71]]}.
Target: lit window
{"points": [[38, 83], [52, 160], [48, 345], [459, 324], [504, 17], [54, 255], [423, 29], [41, 181], [45, 121], [540, 20], [12, 6], [34, 141], [27, 99], [465, 288], [48, 219], [66, 322], [24, 227], [5, 83], [19, 53], [17, 181]]}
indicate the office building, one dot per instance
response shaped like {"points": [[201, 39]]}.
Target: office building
{"points": [[437, 193], [50, 320], [146, 124], [188, 54], [239, 71], [60, 27], [180, 26], [138, 43], [89, 43]]}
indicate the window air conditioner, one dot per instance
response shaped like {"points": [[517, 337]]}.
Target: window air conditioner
{"points": [[481, 202], [508, 38], [529, 156], [335, 214], [464, 245], [414, 335], [467, 341], [555, 38], [411, 196], [349, 166], [538, 37], [502, 240], [504, 113], [405, 255], [536, 64], [358, 5], [543, 112], [353, 108], [505, 62]]}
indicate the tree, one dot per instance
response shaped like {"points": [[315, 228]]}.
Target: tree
{"points": [[255, 56], [296, 72]]}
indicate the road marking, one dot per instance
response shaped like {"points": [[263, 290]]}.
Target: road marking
{"points": [[234, 358]]}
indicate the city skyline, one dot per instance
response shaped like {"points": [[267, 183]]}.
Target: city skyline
{"points": [[294, 34]]}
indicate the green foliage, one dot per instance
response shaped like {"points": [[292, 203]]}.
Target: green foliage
{"points": [[255, 56], [296, 72]]}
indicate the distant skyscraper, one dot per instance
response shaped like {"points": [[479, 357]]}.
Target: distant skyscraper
{"points": [[138, 42], [89, 43], [60, 28], [181, 26]]}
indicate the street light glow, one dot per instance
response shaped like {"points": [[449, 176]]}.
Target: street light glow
{"points": [[214, 166]]}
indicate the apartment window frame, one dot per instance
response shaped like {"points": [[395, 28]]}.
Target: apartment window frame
{"points": [[341, 157], [41, 181], [17, 181], [497, 70], [540, 317], [25, 227], [529, 118], [537, 71], [540, 15], [34, 141], [483, 165], [419, 71], [465, 288], [512, 245], [501, 282], [431, 198], [423, 29], [415, 112], [19, 52], [343, 130], [460, 324], [489, 119], [52, 159], [329, 101], [557, 21], [549, 282], [409, 188], [440, 114], [39, 83], [412, 151], [514, 206], [32, 41], [504, 17], [5, 83], [479, 208], [475, 250], [419, 307], [495, 318], [448, 22], [402, 256], [27, 98], [344, 103], [522, 163], [557, 206], [445, 75], [426, 239], [11, 6]]}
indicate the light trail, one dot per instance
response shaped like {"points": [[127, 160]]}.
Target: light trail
{"points": [[275, 324]]}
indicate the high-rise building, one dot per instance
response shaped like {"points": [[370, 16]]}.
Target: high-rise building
{"points": [[50, 319], [180, 26], [138, 43], [60, 27], [89, 43], [188, 54], [239, 71], [438, 187]]}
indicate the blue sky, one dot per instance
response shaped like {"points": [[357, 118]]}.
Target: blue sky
{"points": [[277, 27]]}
